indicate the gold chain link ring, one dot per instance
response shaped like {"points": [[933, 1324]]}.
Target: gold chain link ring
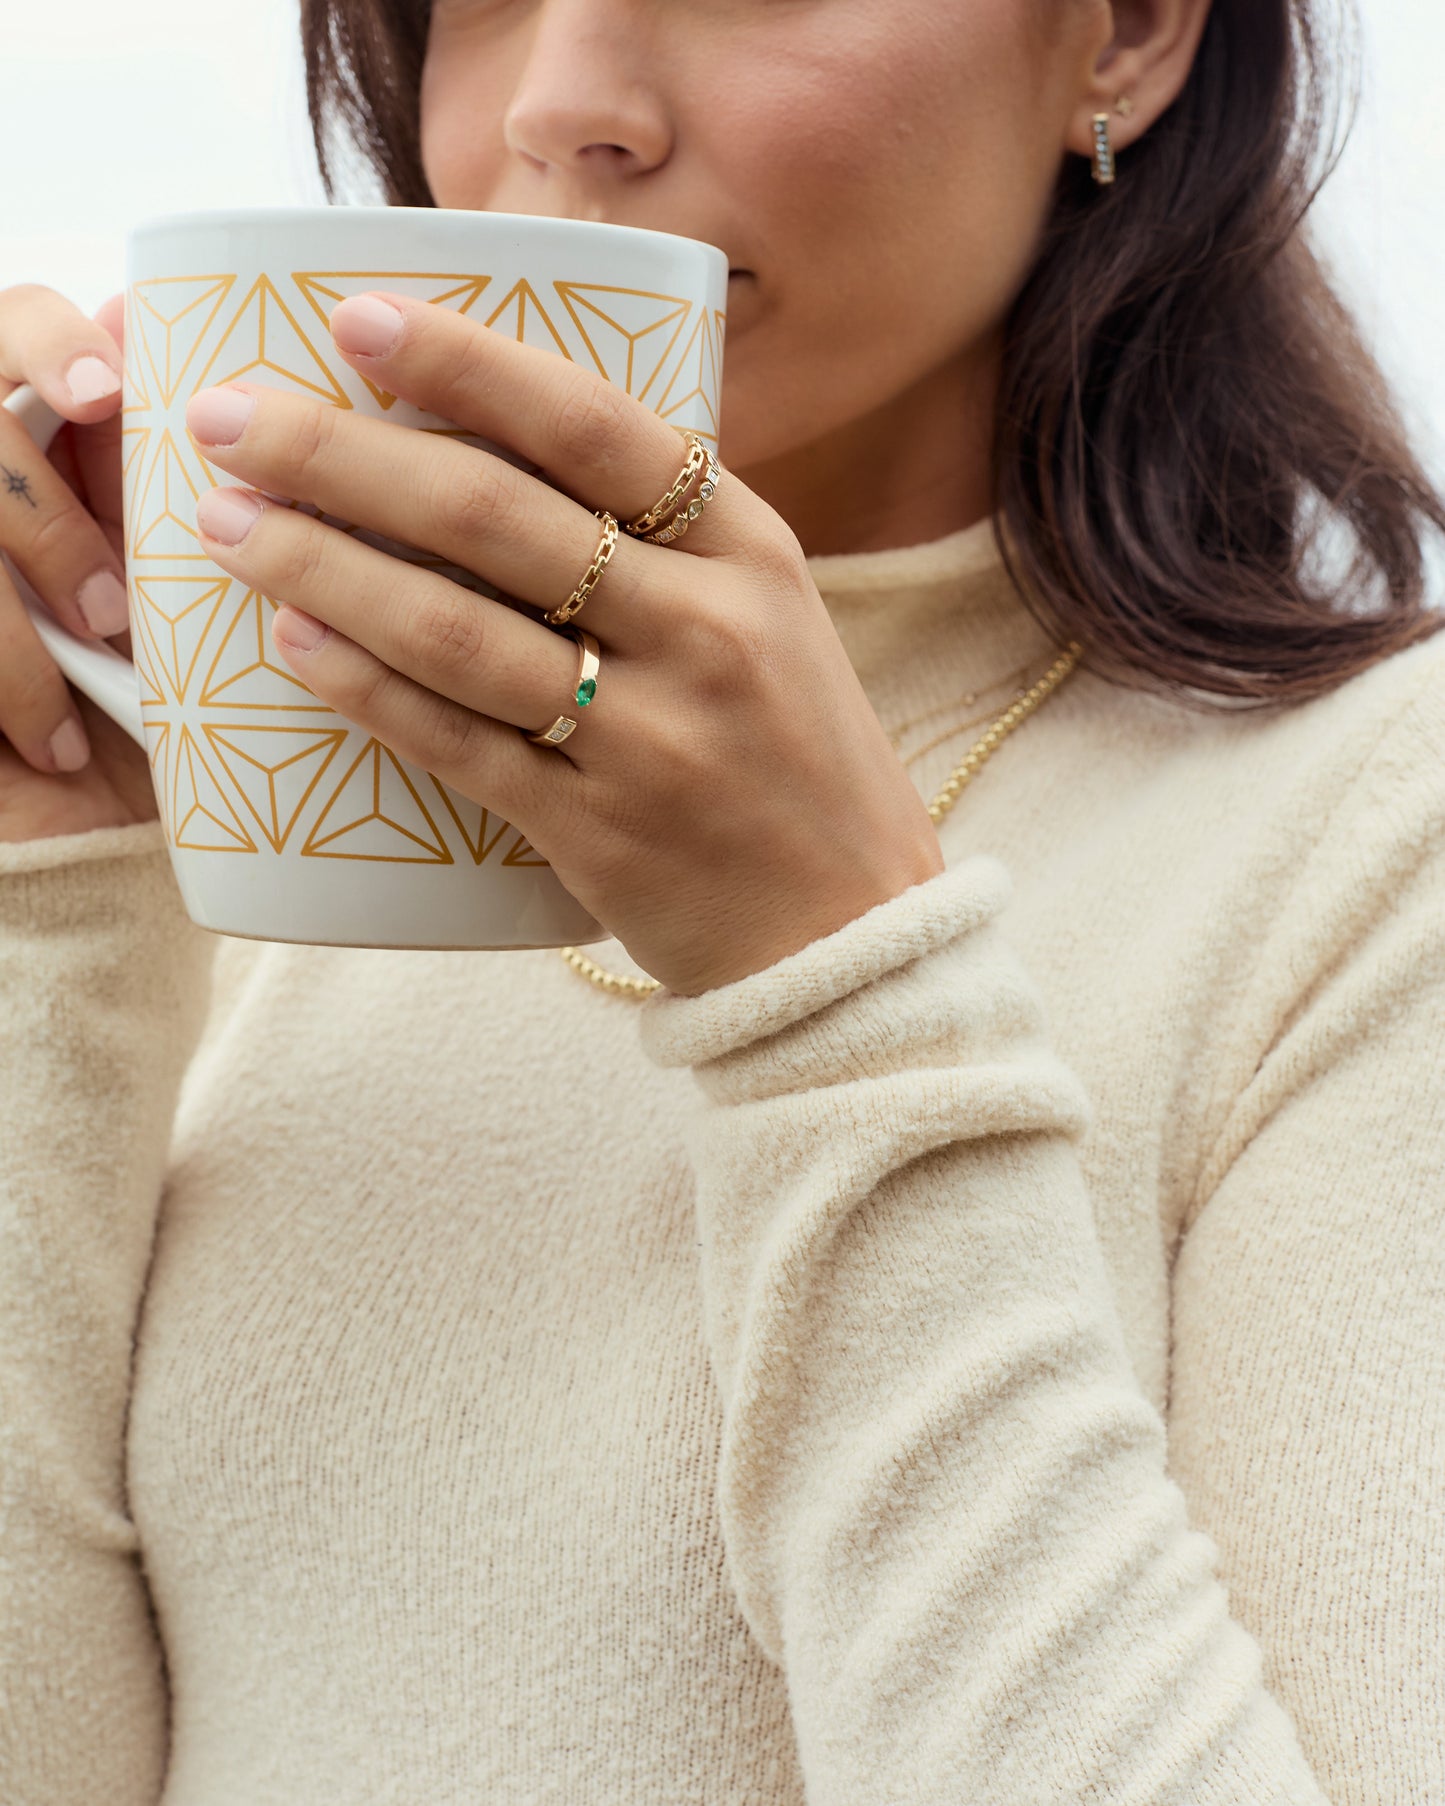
{"points": [[559, 617], [644, 524], [684, 517]]}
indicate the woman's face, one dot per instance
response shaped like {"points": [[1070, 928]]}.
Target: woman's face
{"points": [[877, 172]]}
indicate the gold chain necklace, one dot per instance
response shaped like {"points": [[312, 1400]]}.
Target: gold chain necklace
{"points": [[968, 767]]}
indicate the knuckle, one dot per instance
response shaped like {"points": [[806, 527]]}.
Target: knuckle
{"points": [[589, 425], [727, 644], [303, 563], [778, 560], [451, 635], [450, 731], [32, 695], [55, 534], [365, 692], [310, 436], [468, 511]]}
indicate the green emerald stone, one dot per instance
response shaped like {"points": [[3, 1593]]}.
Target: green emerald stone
{"points": [[586, 691]]}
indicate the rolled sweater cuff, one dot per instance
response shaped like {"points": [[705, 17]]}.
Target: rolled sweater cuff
{"points": [[695, 1031]]}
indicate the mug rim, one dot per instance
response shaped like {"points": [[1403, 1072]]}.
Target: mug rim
{"points": [[310, 214]]}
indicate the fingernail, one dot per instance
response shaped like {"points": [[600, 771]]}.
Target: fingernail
{"points": [[366, 324], [219, 416], [69, 747], [294, 627], [227, 515], [90, 378], [101, 599]]}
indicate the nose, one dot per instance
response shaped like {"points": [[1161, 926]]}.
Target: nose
{"points": [[586, 103]]}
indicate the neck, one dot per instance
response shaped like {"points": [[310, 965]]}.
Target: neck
{"points": [[911, 471]]}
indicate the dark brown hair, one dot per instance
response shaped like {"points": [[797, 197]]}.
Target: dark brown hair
{"points": [[1199, 464]]}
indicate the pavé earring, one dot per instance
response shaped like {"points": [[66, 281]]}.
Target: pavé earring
{"points": [[1103, 150]]}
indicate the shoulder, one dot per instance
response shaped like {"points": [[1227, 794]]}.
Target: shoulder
{"points": [[1287, 773]]}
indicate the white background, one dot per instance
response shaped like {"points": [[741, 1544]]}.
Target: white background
{"points": [[112, 112]]}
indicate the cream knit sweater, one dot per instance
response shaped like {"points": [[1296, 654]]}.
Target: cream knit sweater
{"points": [[994, 1356]]}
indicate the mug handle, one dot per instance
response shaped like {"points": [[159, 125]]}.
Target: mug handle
{"points": [[108, 679]]}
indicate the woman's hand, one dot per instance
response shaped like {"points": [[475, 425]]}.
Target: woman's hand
{"points": [[728, 796], [60, 524]]}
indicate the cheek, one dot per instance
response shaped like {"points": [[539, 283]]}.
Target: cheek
{"points": [[920, 168], [462, 103]]}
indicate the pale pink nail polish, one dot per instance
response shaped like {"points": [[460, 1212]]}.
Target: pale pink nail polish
{"points": [[101, 600], [69, 747], [219, 416], [366, 325], [90, 378], [227, 515]]}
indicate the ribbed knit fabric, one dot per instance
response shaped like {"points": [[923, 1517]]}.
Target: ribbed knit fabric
{"points": [[993, 1356]]}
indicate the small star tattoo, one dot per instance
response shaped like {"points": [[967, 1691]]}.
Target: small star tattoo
{"points": [[17, 483]]}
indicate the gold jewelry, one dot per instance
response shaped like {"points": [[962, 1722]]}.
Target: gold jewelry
{"points": [[968, 767], [560, 616], [967, 700], [1123, 106], [1103, 150], [584, 690], [660, 511], [684, 517]]}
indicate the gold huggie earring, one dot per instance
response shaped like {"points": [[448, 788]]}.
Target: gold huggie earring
{"points": [[1103, 150]]}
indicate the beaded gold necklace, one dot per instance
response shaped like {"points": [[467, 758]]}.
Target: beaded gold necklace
{"points": [[968, 767]]}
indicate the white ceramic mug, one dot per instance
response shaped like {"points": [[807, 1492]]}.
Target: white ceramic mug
{"points": [[285, 821]]}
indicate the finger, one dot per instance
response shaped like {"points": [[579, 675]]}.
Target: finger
{"points": [[97, 448], [71, 361], [54, 543], [598, 443], [476, 653], [425, 489], [37, 714], [477, 756]]}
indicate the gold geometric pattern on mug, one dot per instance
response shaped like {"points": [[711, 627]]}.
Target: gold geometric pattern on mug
{"points": [[166, 499], [695, 381], [273, 769], [518, 854], [134, 393], [472, 823], [133, 442], [173, 314], [246, 671], [157, 754], [619, 320], [521, 314], [265, 335], [152, 690], [203, 817], [376, 812], [322, 289], [172, 616]]}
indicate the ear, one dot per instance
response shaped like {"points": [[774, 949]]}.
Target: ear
{"points": [[1143, 65]]}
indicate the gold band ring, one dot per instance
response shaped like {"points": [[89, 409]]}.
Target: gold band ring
{"points": [[684, 517], [559, 617], [583, 690], [661, 511]]}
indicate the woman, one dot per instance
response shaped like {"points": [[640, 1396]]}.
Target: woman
{"points": [[973, 1333]]}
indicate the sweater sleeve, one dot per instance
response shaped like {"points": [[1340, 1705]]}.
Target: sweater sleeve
{"points": [[103, 986], [947, 1503]]}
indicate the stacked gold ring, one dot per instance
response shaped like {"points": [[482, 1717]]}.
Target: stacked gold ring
{"points": [[662, 524], [663, 510], [684, 517]]}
